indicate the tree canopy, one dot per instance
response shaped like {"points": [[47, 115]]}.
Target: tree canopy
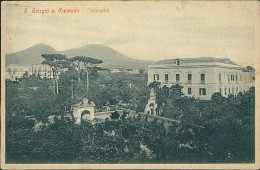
{"points": [[84, 59]]}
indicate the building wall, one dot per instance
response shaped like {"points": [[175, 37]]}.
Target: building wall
{"points": [[14, 72], [241, 81], [213, 82]]}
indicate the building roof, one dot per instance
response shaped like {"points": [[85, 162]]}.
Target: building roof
{"points": [[196, 60]]}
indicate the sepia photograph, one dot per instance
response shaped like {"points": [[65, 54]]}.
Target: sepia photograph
{"points": [[129, 84]]}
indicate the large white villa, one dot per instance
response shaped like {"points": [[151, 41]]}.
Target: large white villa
{"points": [[201, 77], [14, 72]]}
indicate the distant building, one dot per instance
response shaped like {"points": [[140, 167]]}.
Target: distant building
{"points": [[14, 72], [132, 71], [115, 70], [201, 77], [125, 70]]}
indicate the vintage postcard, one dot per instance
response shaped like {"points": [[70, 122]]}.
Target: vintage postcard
{"points": [[130, 85]]}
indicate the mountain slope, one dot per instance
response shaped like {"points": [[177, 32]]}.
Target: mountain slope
{"points": [[31, 55], [111, 58]]}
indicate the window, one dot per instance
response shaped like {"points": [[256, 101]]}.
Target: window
{"points": [[253, 78], [240, 77], [225, 91], [178, 62], [202, 91], [166, 77], [236, 78], [202, 78], [189, 90], [219, 78], [156, 77], [189, 78], [233, 90], [228, 90], [236, 89], [233, 77], [220, 91], [177, 77], [228, 78]]}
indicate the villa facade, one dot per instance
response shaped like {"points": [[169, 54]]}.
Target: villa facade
{"points": [[14, 72], [202, 77]]}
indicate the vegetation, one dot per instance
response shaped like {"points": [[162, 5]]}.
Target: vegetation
{"points": [[227, 124], [86, 65], [220, 130]]}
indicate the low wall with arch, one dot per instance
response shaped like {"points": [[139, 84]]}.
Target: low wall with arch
{"points": [[85, 105]]}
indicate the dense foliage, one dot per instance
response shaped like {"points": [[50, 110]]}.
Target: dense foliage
{"points": [[213, 131], [134, 140], [32, 96], [228, 131]]}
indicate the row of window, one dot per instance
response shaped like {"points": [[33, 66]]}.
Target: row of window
{"points": [[202, 78], [23, 69], [202, 91], [35, 71], [231, 77], [166, 77], [228, 91], [45, 75]]}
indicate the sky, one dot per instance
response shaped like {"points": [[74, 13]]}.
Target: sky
{"points": [[153, 30]]}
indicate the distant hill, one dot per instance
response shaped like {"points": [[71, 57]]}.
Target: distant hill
{"points": [[31, 55], [111, 58]]}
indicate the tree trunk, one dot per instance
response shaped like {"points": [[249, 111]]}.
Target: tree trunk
{"points": [[57, 83], [87, 82], [78, 70], [158, 109], [78, 75], [57, 89], [54, 84]]}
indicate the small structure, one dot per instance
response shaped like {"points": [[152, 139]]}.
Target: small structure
{"points": [[151, 106], [84, 110]]}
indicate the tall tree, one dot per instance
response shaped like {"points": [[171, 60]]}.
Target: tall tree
{"points": [[176, 91], [162, 95], [154, 85], [87, 64], [57, 63]]}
